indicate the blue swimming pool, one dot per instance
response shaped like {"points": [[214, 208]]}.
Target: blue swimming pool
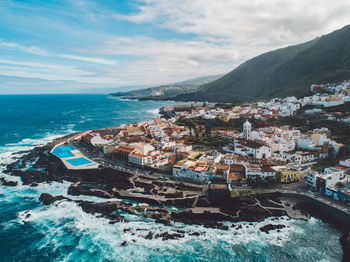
{"points": [[78, 161], [63, 151]]}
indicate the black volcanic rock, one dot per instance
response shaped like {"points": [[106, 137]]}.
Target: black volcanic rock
{"points": [[167, 236], [345, 242], [48, 199], [8, 183], [149, 235], [271, 227], [105, 209]]}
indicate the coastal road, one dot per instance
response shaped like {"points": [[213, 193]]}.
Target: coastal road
{"points": [[100, 158]]}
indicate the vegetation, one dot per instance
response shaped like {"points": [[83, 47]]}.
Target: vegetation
{"points": [[283, 72], [340, 131], [246, 192], [214, 123], [339, 185], [211, 142], [262, 183]]}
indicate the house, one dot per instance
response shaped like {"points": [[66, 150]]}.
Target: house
{"points": [[306, 143], [143, 148], [311, 179], [194, 170], [263, 172], [221, 170], [251, 148], [345, 163], [122, 152], [139, 159], [230, 159], [285, 175], [237, 173], [212, 157]]}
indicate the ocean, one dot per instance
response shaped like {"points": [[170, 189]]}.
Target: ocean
{"points": [[63, 232]]}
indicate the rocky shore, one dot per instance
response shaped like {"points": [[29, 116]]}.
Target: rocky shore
{"points": [[165, 202]]}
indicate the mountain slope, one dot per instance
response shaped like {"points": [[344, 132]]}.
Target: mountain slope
{"points": [[167, 91], [283, 72]]}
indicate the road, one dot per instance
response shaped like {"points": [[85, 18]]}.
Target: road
{"points": [[100, 158], [294, 188]]}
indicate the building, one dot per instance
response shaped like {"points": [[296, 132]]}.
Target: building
{"points": [[263, 172], [251, 148], [139, 159], [285, 175], [212, 157], [122, 152], [247, 130], [236, 173], [143, 148], [195, 171]]}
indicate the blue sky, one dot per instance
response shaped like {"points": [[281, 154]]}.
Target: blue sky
{"points": [[73, 45]]}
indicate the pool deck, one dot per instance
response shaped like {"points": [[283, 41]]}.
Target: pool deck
{"points": [[75, 154]]}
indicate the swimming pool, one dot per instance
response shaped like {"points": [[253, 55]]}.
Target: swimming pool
{"points": [[63, 151], [78, 161]]}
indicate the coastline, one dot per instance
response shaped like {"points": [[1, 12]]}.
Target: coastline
{"points": [[197, 210]]}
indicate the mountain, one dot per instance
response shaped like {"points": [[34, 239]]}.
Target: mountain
{"points": [[167, 91], [283, 72]]}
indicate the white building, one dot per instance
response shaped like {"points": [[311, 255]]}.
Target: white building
{"points": [[199, 173], [247, 130], [139, 159], [143, 148], [252, 148], [253, 172], [306, 143]]}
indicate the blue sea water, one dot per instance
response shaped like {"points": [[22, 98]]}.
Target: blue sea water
{"points": [[63, 232]]}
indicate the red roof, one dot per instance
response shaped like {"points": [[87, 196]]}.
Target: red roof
{"points": [[339, 167], [235, 175]]}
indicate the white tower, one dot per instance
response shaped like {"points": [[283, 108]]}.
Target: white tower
{"points": [[247, 130]]}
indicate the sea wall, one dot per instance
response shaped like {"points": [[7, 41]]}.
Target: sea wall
{"points": [[314, 207]]}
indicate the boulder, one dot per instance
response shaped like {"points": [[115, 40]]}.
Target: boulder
{"points": [[8, 183]]}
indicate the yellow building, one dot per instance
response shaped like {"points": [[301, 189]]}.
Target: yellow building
{"points": [[213, 133], [288, 176], [200, 132], [225, 118], [319, 138]]}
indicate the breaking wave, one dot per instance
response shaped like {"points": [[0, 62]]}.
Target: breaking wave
{"points": [[63, 232]]}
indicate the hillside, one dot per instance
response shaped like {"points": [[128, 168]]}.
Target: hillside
{"points": [[167, 91], [283, 72]]}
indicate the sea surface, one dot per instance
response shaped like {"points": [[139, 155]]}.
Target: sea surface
{"points": [[63, 232]]}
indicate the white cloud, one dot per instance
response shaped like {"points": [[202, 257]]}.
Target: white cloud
{"points": [[39, 51], [155, 62], [51, 72], [270, 22], [225, 32], [210, 37], [95, 60], [27, 49]]}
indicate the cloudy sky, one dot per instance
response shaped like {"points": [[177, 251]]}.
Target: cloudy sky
{"points": [[69, 45]]}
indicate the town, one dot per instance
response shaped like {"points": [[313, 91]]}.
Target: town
{"points": [[248, 146]]}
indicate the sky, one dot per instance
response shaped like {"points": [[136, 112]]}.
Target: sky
{"points": [[71, 46]]}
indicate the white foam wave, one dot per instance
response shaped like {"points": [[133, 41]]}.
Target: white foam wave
{"points": [[154, 112], [106, 239]]}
